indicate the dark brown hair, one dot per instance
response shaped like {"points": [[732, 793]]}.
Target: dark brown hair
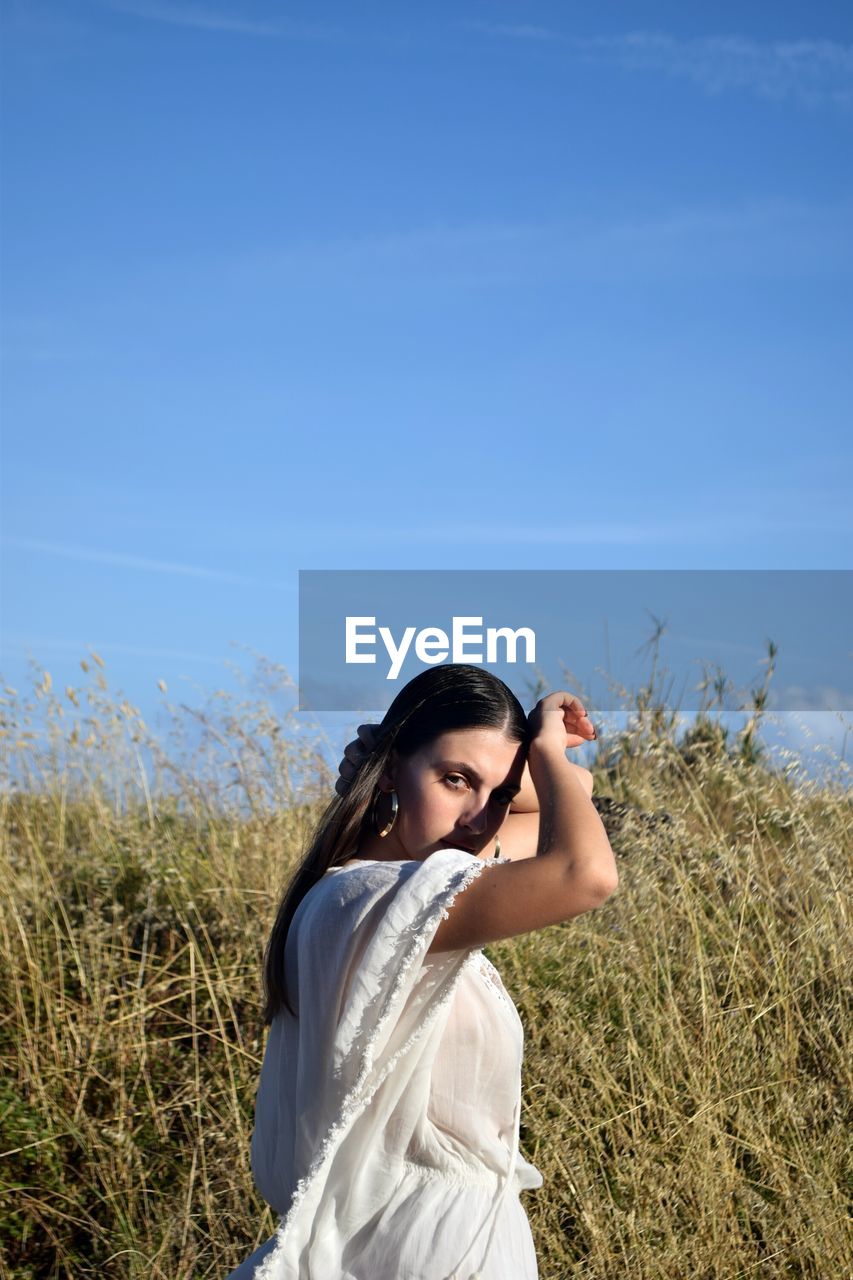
{"points": [[438, 700]]}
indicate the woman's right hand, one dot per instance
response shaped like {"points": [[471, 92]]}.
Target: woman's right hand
{"points": [[560, 720]]}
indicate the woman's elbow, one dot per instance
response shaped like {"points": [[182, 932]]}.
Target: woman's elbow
{"points": [[592, 888], [605, 884]]}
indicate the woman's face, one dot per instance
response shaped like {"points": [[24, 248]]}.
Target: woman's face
{"points": [[454, 792]]}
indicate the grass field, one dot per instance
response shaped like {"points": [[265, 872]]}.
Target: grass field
{"points": [[688, 1060]]}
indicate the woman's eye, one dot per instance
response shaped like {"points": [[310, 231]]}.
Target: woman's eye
{"points": [[457, 776]]}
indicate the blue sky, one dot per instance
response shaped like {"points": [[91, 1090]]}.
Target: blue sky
{"points": [[485, 285]]}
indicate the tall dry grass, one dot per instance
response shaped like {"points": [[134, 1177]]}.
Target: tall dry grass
{"points": [[687, 1066]]}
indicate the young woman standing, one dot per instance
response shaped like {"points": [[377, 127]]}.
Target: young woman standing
{"points": [[387, 1116]]}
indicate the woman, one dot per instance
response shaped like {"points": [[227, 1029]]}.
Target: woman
{"points": [[387, 1115]]}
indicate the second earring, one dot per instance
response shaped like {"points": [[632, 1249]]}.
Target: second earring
{"points": [[394, 807]]}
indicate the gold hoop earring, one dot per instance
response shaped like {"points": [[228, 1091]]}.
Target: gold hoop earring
{"points": [[497, 853], [394, 807]]}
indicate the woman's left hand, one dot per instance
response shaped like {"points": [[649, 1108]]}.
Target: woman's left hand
{"points": [[355, 754]]}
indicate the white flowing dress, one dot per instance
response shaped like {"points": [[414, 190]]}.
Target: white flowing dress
{"points": [[387, 1114]]}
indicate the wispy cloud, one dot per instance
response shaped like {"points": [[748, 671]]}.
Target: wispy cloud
{"points": [[812, 71], [228, 20], [123, 561], [751, 239], [32, 645], [819, 697], [710, 527], [517, 30], [615, 534]]}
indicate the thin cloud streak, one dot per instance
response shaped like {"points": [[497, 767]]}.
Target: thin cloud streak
{"points": [[759, 238], [120, 560], [517, 30], [615, 534], [821, 698], [29, 645], [811, 71], [206, 19]]}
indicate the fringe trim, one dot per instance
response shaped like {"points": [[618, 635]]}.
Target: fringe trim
{"points": [[357, 1099], [492, 980]]}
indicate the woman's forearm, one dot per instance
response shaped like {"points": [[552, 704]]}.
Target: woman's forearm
{"points": [[569, 825], [527, 800]]}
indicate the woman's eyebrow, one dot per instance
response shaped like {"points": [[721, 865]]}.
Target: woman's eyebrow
{"points": [[469, 768]]}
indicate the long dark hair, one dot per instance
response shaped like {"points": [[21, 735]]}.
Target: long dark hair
{"points": [[438, 700]]}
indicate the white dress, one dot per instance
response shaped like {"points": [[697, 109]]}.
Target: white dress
{"points": [[387, 1114]]}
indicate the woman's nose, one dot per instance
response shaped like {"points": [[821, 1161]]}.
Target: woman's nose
{"points": [[476, 822]]}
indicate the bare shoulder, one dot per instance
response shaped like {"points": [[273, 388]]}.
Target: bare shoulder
{"points": [[510, 898]]}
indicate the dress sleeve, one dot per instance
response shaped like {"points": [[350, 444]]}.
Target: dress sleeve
{"points": [[371, 1008]]}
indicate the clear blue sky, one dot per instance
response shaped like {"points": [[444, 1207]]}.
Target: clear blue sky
{"points": [[454, 285]]}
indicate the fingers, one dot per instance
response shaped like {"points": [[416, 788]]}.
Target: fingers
{"points": [[573, 707], [574, 712], [355, 754], [348, 767], [562, 700], [585, 726], [359, 749], [570, 707]]}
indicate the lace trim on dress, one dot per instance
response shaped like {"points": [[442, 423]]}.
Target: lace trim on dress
{"points": [[487, 971]]}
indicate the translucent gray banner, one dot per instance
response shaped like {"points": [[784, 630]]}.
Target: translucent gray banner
{"points": [[364, 633]]}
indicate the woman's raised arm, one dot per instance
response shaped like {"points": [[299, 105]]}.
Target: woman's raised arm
{"points": [[519, 834], [574, 869]]}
